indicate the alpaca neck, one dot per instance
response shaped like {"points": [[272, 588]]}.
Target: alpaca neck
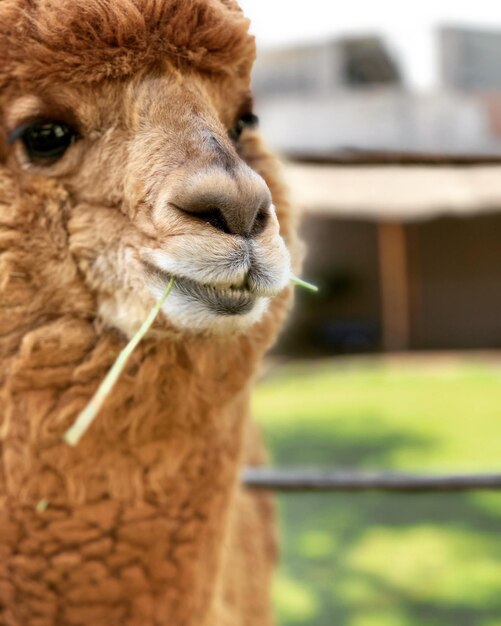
{"points": [[151, 484], [176, 401]]}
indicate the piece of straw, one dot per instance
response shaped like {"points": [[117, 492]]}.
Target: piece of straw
{"points": [[302, 283], [73, 435], [42, 505]]}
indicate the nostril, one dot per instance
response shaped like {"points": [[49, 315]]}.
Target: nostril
{"points": [[214, 217], [260, 222]]}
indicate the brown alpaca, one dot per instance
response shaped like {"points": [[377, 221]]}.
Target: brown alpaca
{"points": [[128, 155]]}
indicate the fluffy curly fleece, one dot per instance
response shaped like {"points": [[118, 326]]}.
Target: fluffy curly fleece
{"points": [[144, 523]]}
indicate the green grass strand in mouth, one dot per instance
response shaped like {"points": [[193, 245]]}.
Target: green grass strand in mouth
{"points": [[84, 420], [302, 283]]}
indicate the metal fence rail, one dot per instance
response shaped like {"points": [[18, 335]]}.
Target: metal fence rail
{"points": [[296, 480]]}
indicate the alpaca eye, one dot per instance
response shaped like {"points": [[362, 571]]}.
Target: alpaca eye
{"points": [[248, 120], [45, 140]]}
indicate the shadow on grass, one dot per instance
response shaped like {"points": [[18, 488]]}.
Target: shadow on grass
{"points": [[321, 533], [338, 444]]}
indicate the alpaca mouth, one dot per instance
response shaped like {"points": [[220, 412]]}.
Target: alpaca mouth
{"points": [[221, 301], [224, 301]]}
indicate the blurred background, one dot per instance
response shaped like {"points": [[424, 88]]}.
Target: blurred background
{"points": [[396, 363]]}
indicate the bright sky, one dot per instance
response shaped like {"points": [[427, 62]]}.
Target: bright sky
{"points": [[407, 26]]}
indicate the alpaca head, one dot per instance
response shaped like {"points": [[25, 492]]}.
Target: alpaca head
{"points": [[140, 111]]}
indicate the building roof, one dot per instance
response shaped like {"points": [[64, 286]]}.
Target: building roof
{"points": [[409, 193]]}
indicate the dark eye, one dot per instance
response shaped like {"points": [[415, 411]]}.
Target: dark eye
{"points": [[247, 120], [45, 140]]}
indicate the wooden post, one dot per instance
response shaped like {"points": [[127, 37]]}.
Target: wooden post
{"points": [[394, 271]]}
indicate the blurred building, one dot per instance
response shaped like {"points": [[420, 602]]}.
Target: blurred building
{"points": [[406, 257], [351, 94], [321, 69], [469, 59]]}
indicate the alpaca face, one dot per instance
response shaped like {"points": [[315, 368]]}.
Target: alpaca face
{"points": [[156, 168], [210, 216]]}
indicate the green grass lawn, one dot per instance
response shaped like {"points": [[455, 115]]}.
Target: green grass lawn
{"points": [[387, 560]]}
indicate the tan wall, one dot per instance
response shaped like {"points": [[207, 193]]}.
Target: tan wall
{"points": [[454, 285], [343, 260], [456, 280]]}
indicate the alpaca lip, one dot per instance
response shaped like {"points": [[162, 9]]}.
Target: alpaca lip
{"points": [[222, 301], [232, 300]]}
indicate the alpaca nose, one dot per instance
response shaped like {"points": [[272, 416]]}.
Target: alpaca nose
{"points": [[236, 201]]}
